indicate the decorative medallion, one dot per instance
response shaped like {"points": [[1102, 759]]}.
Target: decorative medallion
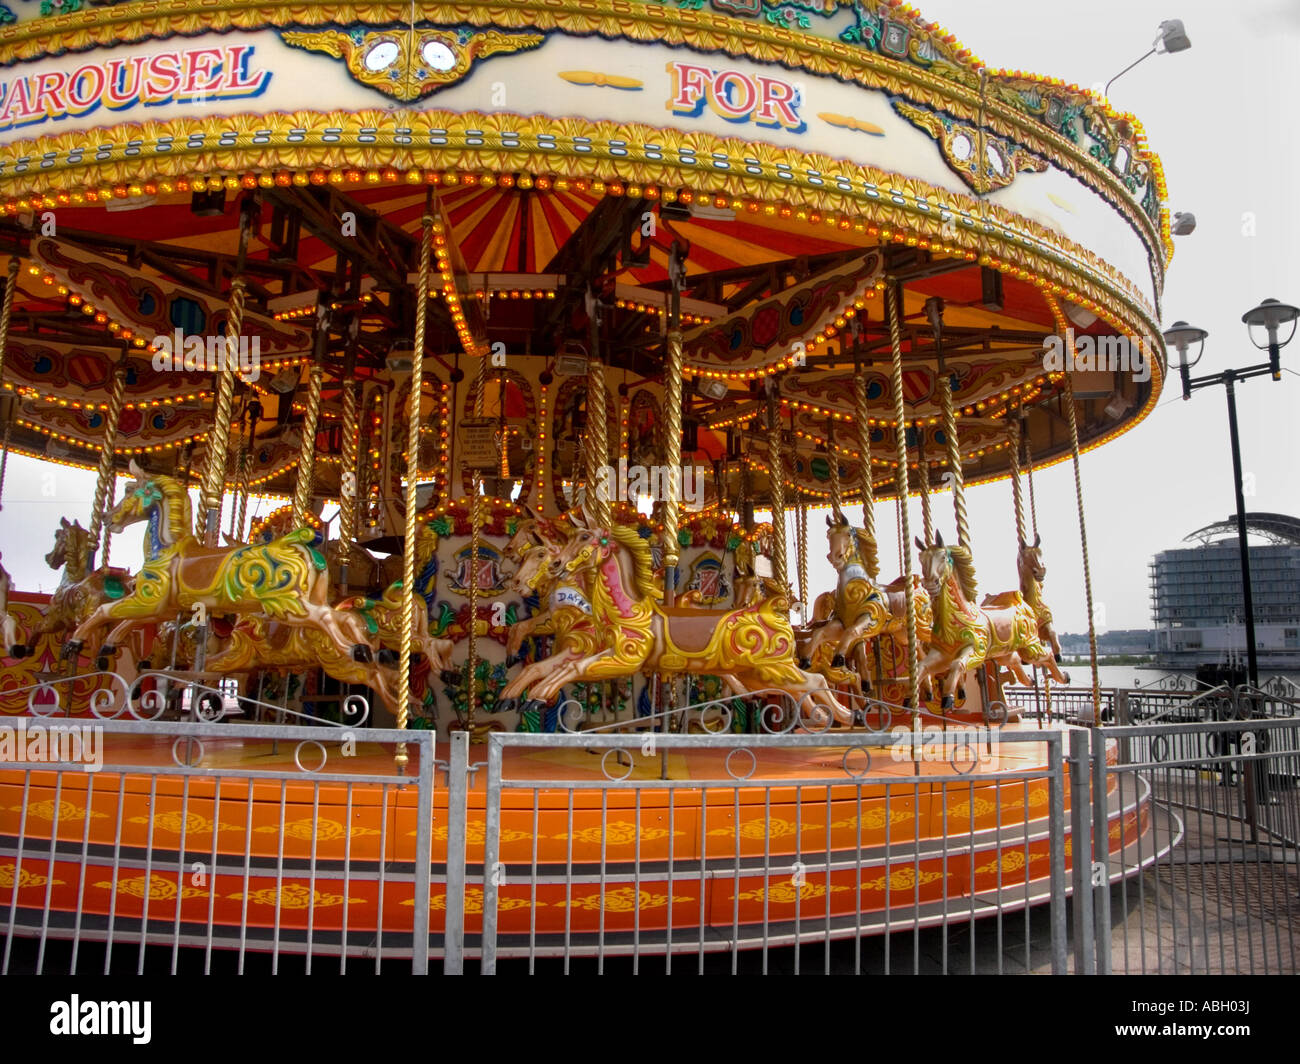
{"points": [[410, 64], [959, 142], [709, 578], [490, 581]]}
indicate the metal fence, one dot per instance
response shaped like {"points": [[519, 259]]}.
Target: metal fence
{"points": [[220, 847], [177, 858], [1214, 886]]}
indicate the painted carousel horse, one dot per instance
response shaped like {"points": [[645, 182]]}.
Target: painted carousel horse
{"points": [[13, 645], [966, 636], [751, 648], [1029, 562], [286, 579], [78, 595], [535, 547], [858, 610], [567, 616], [750, 588], [260, 643]]}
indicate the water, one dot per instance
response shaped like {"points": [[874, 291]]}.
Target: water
{"points": [[1131, 676]]}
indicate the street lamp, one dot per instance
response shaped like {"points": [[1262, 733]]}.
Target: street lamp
{"points": [[1189, 342], [1173, 38]]}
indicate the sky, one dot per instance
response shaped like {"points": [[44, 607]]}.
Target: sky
{"points": [[1220, 117]]}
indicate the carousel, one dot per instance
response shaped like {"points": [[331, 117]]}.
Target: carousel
{"points": [[554, 331]]}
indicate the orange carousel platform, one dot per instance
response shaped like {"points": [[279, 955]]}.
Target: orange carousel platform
{"points": [[809, 851]]}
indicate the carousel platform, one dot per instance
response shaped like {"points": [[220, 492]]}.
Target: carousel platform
{"points": [[806, 852]]}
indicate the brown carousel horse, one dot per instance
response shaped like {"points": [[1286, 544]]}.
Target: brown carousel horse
{"points": [[966, 636], [285, 580], [751, 649], [78, 595]]}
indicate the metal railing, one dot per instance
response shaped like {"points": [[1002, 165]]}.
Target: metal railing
{"points": [[774, 841], [216, 847], [219, 847], [1215, 886]]}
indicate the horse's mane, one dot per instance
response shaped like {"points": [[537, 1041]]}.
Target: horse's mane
{"points": [[964, 566], [180, 520], [642, 560], [867, 551]]}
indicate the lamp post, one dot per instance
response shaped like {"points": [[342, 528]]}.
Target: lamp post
{"points": [[1270, 316]]}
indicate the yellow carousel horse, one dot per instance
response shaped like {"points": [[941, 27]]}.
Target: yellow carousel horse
{"points": [[966, 636], [286, 579], [78, 594], [751, 648]]}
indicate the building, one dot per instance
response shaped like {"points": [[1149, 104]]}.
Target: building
{"points": [[1196, 599]]}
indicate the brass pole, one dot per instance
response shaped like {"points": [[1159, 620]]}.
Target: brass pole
{"points": [[892, 300], [475, 542], [596, 451], [413, 450], [673, 426], [307, 449], [1072, 415], [106, 456], [6, 311], [776, 478], [923, 477], [864, 445], [349, 481], [214, 473]]}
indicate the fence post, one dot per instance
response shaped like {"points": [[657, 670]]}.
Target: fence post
{"points": [[1101, 851], [1081, 849], [491, 853], [457, 795], [423, 845], [1056, 851]]}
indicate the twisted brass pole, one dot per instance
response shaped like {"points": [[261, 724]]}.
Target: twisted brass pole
{"points": [[954, 457], [833, 457], [596, 451], [923, 478], [1013, 440], [111, 418], [214, 473], [475, 543], [776, 477], [6, 311], [1072, 415], [903, 487], [410, 523], [307, 451], [868, 485], [672, 447], [349, 485], [801, 547]]}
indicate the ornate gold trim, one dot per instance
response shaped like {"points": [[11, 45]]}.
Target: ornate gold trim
{"points": [[957, 93], [570, 147]]}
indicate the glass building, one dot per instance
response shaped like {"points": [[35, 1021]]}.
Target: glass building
{"points": [[1196, 599]]}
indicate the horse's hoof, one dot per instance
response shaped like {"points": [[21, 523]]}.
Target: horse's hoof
{"points": [[1057, 658], [361, 653], [837, 662], [805, 663], [961, 692], [1065, 678], [533, 705], [102, 664], [144, 665], [416, 657], [19, 650], [451, 677], [506, 705], [71, 649], [512, 660], [387, 657], [947, 703]]}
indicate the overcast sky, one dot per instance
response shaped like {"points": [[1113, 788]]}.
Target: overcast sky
{"points": [[1221, 117]]}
